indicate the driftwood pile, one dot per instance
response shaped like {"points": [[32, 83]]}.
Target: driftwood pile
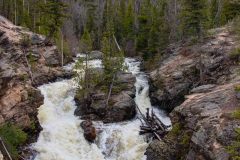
{"points": [[152, 126]]}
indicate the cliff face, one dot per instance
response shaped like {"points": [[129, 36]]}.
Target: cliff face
{"points": [[203, 122], [19, 97], [188, 66]]}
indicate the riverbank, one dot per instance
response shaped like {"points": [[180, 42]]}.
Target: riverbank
{"points": [[21, 71], [197, 84]]}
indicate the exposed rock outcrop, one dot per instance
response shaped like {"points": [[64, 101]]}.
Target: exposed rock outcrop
{"points": [[19, 99], [188, 66], [207, 127], [203, 123]]}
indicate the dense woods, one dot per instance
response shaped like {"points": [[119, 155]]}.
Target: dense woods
{"points": [[142, 27]]}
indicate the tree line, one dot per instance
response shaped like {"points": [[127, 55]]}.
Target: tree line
{"points": [[142, 27]]}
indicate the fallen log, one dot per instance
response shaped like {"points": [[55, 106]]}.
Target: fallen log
{"points": [[145, 128]]}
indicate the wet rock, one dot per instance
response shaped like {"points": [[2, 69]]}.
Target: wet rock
{"points": [[89, 130], [86, 124], [95, 55], [90, 134]]}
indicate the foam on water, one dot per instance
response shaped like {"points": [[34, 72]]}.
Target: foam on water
{"points": [[62, 137]]}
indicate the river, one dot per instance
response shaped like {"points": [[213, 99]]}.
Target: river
{"points": [[62, 137]]}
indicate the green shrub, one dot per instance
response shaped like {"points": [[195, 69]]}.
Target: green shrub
{"points": [[23, 77], [234, 148], [236, 114], [185, 139], [176, 130], [12, 136], [31, 60], [237, 88], [236, 26], [235, 54]]}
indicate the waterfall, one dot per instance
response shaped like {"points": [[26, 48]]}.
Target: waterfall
{"points": [[62, 137]]}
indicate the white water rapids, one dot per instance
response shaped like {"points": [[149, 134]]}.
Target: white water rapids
{"points": [[62, 137]]}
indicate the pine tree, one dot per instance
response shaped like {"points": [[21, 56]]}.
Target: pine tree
{"points": [[86, 77], [129, 35], [144, 28], [53, 12], [159, 32], [231, 9], [113, 55], [194, 17]]}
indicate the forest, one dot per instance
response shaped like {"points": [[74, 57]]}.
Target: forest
{"points": [[142, 27]]}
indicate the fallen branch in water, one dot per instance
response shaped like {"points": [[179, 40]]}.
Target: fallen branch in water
{"points": [[153, 126]]}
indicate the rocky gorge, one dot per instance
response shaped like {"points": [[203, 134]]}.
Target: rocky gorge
{"points": [[194, 82]]}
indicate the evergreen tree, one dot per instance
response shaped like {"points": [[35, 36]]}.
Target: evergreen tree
{"points": [[53, 12], [231, 9], [86, 77], [194, 17], [113, 56], [144, 28]]}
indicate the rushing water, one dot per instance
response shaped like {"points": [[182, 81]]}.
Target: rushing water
{"points": [[62, 137]]}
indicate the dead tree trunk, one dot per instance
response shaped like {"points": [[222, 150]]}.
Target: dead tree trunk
{"points": [[110, 90], [28, 65], [4, 150], [114, 76]]}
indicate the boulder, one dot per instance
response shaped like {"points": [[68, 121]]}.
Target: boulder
{"points": [[121, 103], [89, 131]]}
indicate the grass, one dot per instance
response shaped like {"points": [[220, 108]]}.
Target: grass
{"points": [[13, 137]]}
